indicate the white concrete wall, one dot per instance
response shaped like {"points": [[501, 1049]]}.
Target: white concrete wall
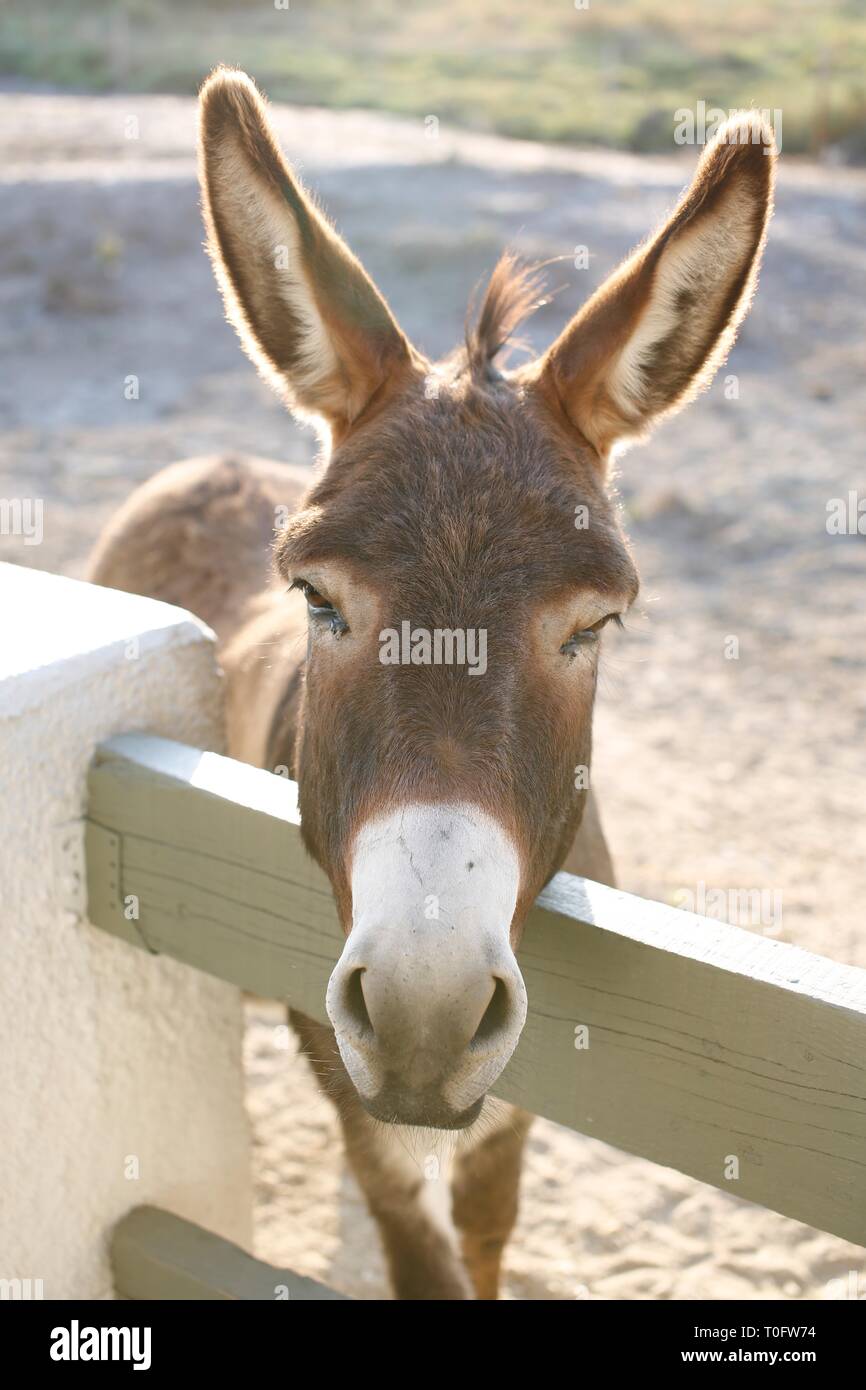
{"points": [[111, 1061]]}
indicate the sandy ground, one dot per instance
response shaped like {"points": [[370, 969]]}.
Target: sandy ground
{"points": [[745, 773]]}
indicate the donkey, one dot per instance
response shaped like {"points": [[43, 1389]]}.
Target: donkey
{"points": [[439, 800]]}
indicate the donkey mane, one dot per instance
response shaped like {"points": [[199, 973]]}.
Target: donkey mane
{"points": [[513, 292]]}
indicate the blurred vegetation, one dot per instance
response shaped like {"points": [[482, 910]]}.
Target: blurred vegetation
{"points": [[613, 73]]}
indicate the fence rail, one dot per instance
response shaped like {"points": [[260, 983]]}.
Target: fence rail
{"points": [[710, 1049], [156, 1255]]}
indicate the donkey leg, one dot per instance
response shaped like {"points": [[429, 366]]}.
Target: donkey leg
{"points": [[422, 1255], [484, 1196], [487, 1173]]}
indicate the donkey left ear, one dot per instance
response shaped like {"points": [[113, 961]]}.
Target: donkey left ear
{"points": [[655, 332], [305, 310]]}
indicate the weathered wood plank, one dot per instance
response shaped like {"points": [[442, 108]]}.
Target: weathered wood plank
{"points": [[706, 1044], [158, 1256]]}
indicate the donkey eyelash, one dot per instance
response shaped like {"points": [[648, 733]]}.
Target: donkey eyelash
{"points": [[589, 635], [311, 593], [319, 607]]}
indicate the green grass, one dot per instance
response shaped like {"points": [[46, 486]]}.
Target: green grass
{"points": [[612, 74]]}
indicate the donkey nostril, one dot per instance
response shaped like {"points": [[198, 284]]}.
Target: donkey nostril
{"points": [[495, 1016], [356, 1004]]}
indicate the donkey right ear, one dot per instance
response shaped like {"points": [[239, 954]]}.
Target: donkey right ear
{"points": [[655, 332], [305, 310]]}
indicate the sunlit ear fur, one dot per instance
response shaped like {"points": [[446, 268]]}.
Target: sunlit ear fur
{"points": [[305, 310], [656, 331]]}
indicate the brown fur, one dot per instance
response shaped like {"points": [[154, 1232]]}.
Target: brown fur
{"points": [[452, 508]]}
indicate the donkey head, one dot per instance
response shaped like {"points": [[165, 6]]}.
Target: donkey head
{"points": [[460, 558]]}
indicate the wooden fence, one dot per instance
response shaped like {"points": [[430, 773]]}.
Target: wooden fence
{"points": [[693, 1043]]}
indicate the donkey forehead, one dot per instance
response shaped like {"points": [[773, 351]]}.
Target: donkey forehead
{"points": [[473, 489]]}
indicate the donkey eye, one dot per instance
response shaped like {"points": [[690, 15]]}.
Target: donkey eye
{"points": [[316, 601], [320, 608], [588, 635]]}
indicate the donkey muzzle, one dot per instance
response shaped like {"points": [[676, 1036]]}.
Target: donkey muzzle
{"points": [[427, 1001]]}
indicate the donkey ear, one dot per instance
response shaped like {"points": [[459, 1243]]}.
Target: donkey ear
{"points": [[653, 335], [305, 310]]}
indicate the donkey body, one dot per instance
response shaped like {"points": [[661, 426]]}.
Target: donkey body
{"points": [[438, 804]]}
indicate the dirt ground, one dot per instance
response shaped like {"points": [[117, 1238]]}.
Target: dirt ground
{"points": [[737, 773]]}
